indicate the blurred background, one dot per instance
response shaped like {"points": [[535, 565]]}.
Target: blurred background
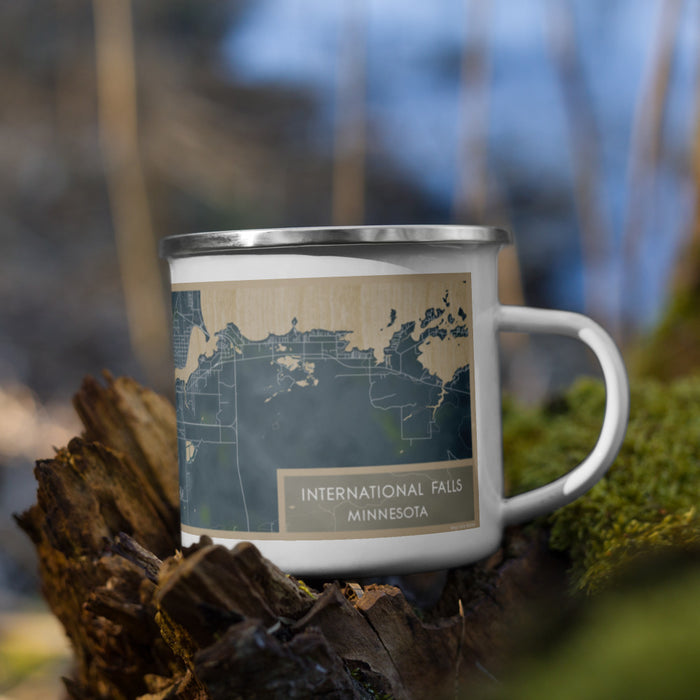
{"points": [[576, 123]]}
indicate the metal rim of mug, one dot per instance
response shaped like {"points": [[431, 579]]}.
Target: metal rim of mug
{"points": [[217, 242]]}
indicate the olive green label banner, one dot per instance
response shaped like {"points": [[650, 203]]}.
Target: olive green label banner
{"points": [[378, 501]]}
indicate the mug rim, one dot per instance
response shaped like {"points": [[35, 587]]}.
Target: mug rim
{"points": [[218, 242]]}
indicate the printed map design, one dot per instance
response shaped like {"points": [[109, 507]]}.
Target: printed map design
{"points": [[308, 399]]}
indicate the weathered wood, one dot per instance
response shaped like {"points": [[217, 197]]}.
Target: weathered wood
{"points": [[140, 425], [88, 493], [126, 547], [148, 621], [212, 588], [353, 639], [249, 662]]}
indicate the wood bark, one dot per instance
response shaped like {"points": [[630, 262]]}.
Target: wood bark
{"points": [[149, 621]]}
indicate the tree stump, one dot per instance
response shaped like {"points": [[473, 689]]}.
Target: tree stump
{"points": [[149, 621]]}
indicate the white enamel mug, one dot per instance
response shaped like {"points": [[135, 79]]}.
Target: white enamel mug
{"points": [[338, 395]]}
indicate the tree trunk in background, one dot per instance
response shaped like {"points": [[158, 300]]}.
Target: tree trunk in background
{"points": [[348, 206], [146, 621], [595, 230], [136, 244], [646, 146], [673, 348]]}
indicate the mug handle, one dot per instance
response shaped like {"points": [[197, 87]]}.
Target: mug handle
{"points": [[567, 488]]}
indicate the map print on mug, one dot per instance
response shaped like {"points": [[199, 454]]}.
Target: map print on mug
{"points": [[326, 408]]}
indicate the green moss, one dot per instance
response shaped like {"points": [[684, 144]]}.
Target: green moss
{"points": [[648, 499], [673, 348], [640, 641], [359, 678], [304, 588]]}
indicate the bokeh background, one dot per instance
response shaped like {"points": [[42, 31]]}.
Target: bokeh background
{"points": [[576, 123]]}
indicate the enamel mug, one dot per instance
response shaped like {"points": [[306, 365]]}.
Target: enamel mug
{"points": [[338, 395]]}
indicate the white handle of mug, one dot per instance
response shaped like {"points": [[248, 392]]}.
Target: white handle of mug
{"points": [[570, 486]]}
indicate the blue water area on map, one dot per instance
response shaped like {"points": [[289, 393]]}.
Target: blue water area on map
{"points": [[304, 400]]}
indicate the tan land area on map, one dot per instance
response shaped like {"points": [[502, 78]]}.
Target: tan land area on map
{"points": [[361, 305]]}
